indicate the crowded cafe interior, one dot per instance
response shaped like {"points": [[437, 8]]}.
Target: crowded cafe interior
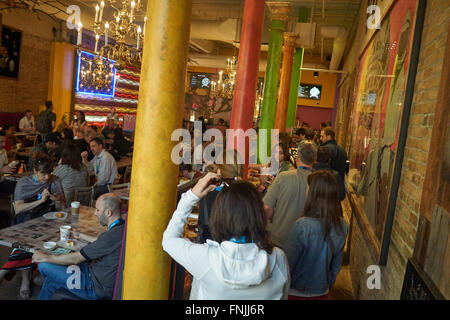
{"points": [[224, 150]]}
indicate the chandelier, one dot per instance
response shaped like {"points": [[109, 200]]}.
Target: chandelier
{"points": [[100, 74], [121, 27], [224, 87], [98, 77], [258, 101]]}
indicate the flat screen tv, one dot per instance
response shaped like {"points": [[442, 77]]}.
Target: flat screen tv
{"points": [[200, 80], [310, 91]]}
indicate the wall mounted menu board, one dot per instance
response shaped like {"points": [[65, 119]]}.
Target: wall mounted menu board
{"points": [[200, 80], [309, 91]]}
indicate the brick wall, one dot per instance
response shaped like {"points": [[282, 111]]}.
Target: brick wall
{"points": [[405, 226], [30, 90]]}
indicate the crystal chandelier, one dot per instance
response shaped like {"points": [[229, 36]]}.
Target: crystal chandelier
{"points": [[225, 87], [99, 77], [100, 74], [122, 26]]}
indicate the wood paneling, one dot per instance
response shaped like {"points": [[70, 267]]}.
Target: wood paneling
{"points": [[436, 185], [437, 263]]}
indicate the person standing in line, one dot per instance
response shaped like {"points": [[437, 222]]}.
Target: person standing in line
{"points": [[315, 244], [286, 196], [323, 163], [339, 156]]}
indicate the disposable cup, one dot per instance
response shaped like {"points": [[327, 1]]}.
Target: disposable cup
{"points": [[65, 232], [75, 207]]}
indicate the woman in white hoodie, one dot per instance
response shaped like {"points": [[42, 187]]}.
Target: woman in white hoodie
{"points": [[241, 263]]}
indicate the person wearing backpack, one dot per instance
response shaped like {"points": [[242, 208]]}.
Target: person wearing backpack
{"points": [[46, 121]]}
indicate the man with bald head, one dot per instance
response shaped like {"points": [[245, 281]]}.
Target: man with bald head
{"points": [[97, 261]]}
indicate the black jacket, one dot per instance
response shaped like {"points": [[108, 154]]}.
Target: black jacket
{"points": [[324, 166], [338, 157]]}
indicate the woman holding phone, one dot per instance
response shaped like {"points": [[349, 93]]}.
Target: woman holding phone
{"points": [[241, 262]]}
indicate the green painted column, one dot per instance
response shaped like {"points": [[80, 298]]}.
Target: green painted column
{"points": [[279, 16], [295, 82], [296, 75]]}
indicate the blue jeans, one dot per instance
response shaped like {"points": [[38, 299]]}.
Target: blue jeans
{"points": [[56, 277]]}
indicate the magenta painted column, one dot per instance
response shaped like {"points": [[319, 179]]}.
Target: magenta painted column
{"points": [[247, 69]]}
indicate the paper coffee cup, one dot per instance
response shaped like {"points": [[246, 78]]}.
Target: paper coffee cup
{"points": [[65, 232], [75, 207]]}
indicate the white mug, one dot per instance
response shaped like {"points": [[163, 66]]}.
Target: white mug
{"points": [[65, 232]]}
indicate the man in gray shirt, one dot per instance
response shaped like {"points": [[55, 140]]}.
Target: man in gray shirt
{"points": [[103, 166], [285, 199], [98, 261]]}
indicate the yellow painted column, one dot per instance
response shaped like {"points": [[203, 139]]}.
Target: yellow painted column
{"points": [[60, 78], [154, 178]]}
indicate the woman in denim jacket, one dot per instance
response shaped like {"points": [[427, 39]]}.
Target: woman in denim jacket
{"points": [[315, 243]]}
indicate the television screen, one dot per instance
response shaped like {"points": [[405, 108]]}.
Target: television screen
{"points": [[310, 91], [371, 99], [200, 80]]}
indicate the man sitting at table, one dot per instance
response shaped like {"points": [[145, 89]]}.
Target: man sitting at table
{"points": [[97, 261], [50, 147], [11, 139], [103, 166], [5, 186], [27, 124]]}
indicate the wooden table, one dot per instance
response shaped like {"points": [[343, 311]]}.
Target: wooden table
{"points": [[31, 235], [14, 177], [124, 162], [24, 134]]}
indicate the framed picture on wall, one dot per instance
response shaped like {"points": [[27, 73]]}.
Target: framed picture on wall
{"points": [[380, 116], [10, 52]]}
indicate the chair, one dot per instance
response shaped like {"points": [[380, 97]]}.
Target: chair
{"points": [[85, 195], [33, 138], [113, 187], [127, 175]]}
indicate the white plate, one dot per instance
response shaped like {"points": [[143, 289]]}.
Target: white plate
{"points": [[52, 215], [77, 246]]}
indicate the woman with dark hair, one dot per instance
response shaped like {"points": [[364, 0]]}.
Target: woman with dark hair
{"points": [[79, 122], [241, 262], [230, 173], [315, 244], [71, 171], [67, 135], [35, 195]]}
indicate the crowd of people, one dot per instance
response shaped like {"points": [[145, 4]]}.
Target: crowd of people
{"points": [[74, 157], [280, 238]]}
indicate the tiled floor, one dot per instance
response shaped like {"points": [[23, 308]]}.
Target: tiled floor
{"points": [[343, 289]]}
